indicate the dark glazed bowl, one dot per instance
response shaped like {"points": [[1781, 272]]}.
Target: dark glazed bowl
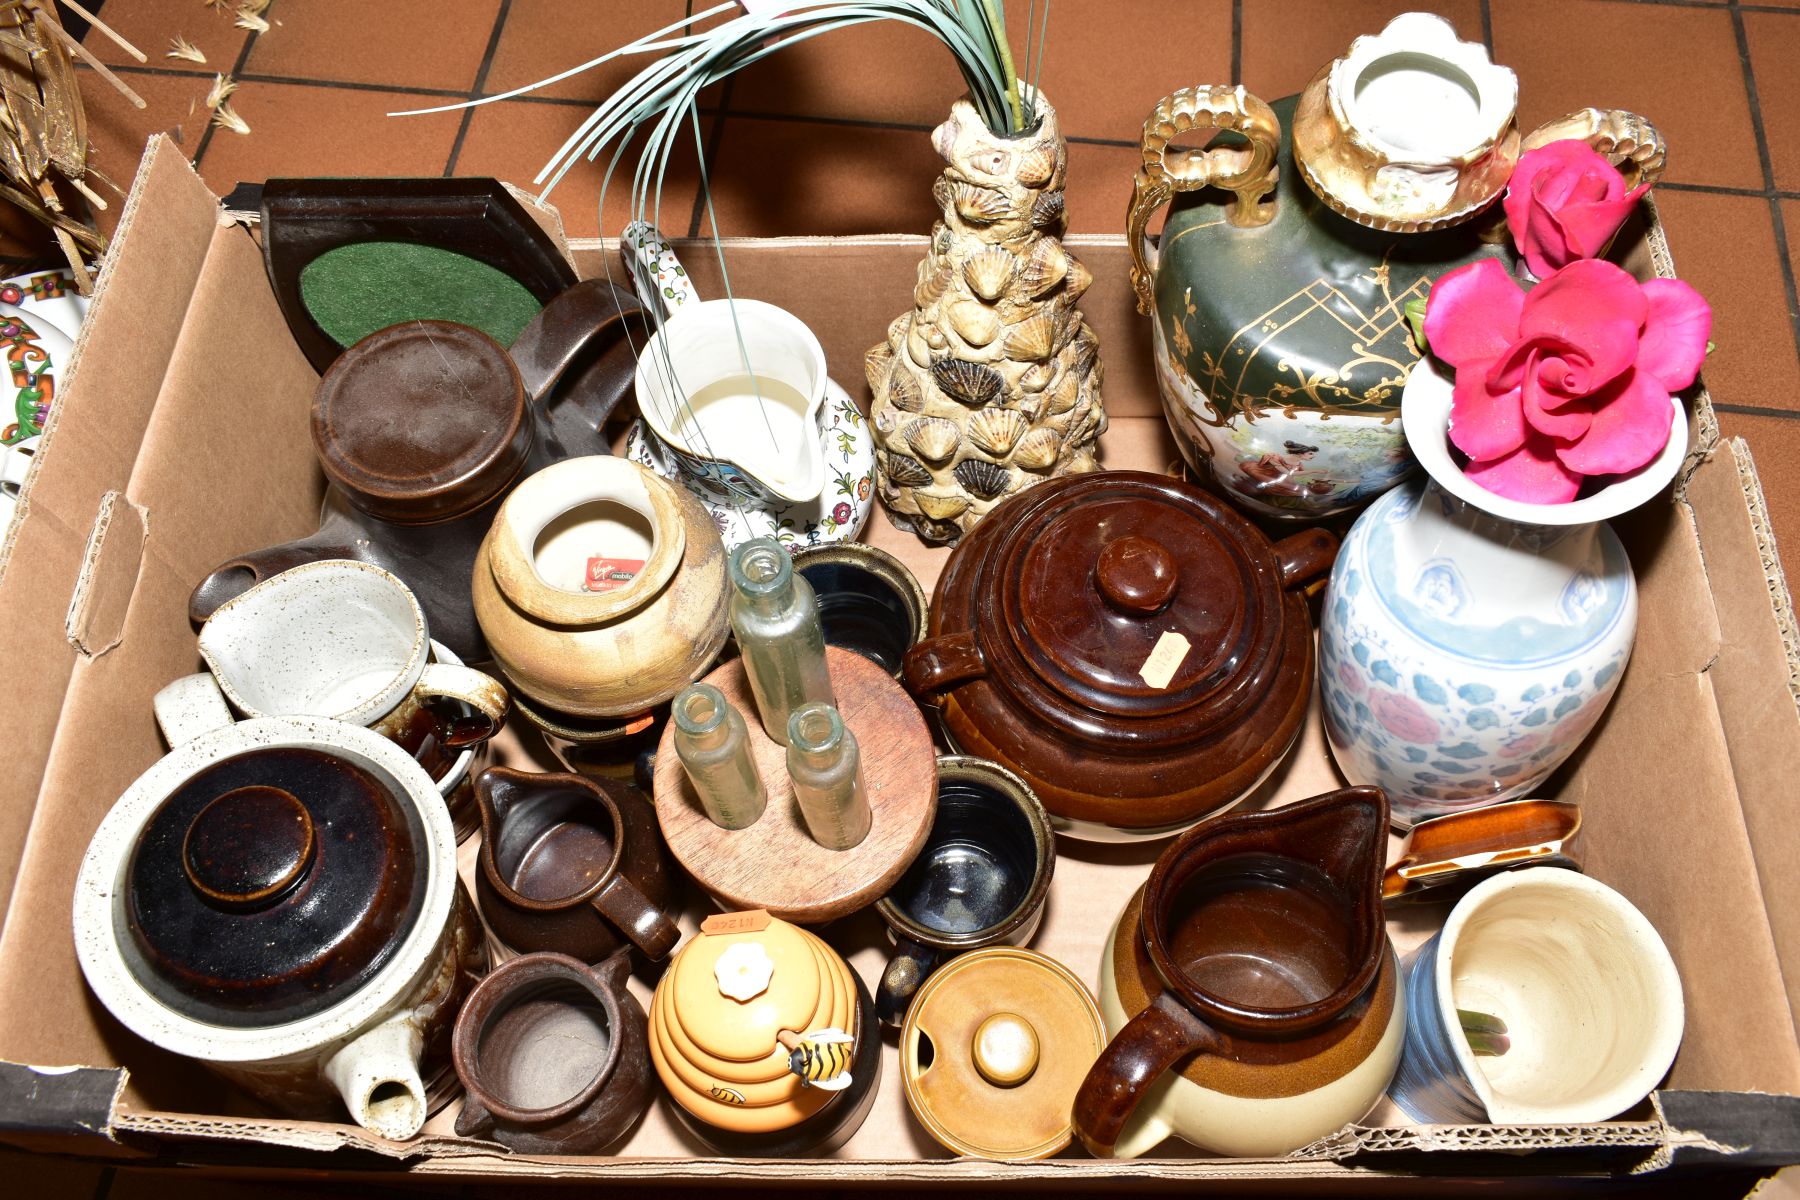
{"points": [[868, 601]]}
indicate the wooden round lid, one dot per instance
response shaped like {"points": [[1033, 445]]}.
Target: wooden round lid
{"points": [[993, 1049], [422, 421]]}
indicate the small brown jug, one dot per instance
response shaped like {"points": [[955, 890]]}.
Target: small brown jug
{"points": [[1255, 964], [554, 1055], [572, 865]]}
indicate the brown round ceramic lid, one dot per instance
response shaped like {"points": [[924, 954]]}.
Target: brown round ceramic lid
{"points": [[270, 886], [1136, 596], [422, 421], [994, 1047]]}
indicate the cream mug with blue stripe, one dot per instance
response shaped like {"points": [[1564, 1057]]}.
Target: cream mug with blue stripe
{"points": [[1546, 999]]}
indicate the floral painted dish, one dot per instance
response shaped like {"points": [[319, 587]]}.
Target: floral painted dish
{"points": [[36, 352]]}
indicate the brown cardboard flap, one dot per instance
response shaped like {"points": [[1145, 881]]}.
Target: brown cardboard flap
{"points": [[1758, 682], [109, 572], [88, 449]]}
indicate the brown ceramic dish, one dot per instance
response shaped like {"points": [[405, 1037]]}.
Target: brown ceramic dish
{"points": [[423, 428], [1466, 847], [572, 865], [1134, 649], [554, 1056]]}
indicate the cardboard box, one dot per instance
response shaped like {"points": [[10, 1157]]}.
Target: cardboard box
{"points": [[181, 439]]}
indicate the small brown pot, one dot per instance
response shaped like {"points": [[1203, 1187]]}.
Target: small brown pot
{"points": [[572, 865], [554, 1056]]}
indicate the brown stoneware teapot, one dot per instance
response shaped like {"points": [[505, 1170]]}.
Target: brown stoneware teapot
{"points": [[572, 865], [423, 429], [1137, 651], [1250, 987]]}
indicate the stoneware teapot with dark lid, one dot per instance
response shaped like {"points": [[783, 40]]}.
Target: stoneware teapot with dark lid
{"points": [[423, 428], [278, 898], [1137, 651]]}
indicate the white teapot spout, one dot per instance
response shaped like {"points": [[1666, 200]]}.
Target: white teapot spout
{"points": [[378, 1076]]}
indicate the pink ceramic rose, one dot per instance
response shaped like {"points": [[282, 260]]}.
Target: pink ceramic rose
{"points": [[1564, 202], [1570, 379]]}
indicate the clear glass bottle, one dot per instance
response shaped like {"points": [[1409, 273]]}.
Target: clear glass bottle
{"points": [[775, 617], [713, 744], [826, 767]]}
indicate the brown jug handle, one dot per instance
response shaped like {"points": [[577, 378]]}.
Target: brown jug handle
{"points": [[1151, 1042], [474, 1120], [231, 579], [941, 663], [1247, 169], [649, 928], [560, 335], [1306, 556], [1632, 143]]}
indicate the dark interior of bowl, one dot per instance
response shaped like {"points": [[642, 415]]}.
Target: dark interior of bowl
{"points": [[861, 611], [978, 865]]}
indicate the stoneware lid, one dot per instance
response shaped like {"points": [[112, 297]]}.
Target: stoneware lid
{"points": [[269, 886], [720, 1009], [422, 422], [994, 1047]]}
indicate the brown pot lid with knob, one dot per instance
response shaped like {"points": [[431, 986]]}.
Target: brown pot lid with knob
{"points": [[422, 422], [271, 886], [1127, 642], [994, 1045]]}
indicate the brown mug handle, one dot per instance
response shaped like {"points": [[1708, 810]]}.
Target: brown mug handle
{"points": [[940, 663], [233, 578], [559, 337], [649, 928], [1151, 1043], [1306, 556]]}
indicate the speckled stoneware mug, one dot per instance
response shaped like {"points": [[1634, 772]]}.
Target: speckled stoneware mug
{"points": [[348, 640]]}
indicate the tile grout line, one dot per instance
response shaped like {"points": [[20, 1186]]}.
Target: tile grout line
{"points": [[1757, 410], [1487, 26], [1784, 258], [1237, 41], [477, 89], [206, 135]]}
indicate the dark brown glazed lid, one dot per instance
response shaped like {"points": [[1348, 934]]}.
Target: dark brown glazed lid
{"points": [[1131, 614], [270, 886], [422, 422]]}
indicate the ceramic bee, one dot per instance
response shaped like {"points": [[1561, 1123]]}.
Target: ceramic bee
{"points": [[822, 1058]]}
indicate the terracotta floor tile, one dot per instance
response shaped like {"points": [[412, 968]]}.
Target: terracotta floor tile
{"points": [[776, 178], [882, 71], [1104, 76], [297, 129], [1676, 65], [1775, 444], [151, 24], [1285, 44], [1099, 188], [513, 139], [397, 43], [543, 37], [1774, 46], [117, 130], [1725, 246]]}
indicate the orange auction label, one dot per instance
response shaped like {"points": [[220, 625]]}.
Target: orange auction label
{"points": [[608, 574], [754, 921], [1165, 659]]}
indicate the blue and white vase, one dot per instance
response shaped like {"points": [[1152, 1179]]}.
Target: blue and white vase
{"points": [[1470, 643]]}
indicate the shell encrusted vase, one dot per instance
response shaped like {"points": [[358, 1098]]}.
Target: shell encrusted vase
{"points": [[992, 382]]}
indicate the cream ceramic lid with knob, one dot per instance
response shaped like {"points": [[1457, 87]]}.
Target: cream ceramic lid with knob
{"points": [[994, 1046], [722, 1008]]}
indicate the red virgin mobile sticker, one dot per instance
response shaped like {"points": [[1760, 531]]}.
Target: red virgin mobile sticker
{"points": [[606, 574]]}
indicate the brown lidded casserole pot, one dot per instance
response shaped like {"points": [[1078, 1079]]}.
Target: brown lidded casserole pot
{"points": [[1137, 651]]}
